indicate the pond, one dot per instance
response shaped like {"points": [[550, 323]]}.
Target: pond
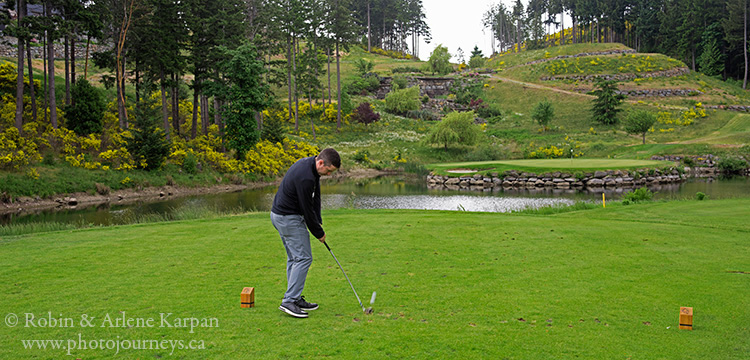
{"points": [[388, 192]]}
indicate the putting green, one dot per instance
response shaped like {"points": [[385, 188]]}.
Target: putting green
{"points": [[542, 165]]}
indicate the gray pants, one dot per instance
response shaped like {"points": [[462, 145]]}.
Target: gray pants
{"points": [[296, 239]]}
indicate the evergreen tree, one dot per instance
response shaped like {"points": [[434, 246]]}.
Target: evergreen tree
{"points": [[247, 94], [711, 60], [147, 143], [476, 52], [273, 130], [84, 116], [607, 102], [543, 113]]}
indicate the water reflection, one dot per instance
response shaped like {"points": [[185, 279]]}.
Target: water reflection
{"points": [[432, 202]]}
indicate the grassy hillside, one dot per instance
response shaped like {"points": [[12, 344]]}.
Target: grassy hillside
{"points": [[599, 284]]}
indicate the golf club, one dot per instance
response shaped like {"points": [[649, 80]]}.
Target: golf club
{"points": [[369, 309]]}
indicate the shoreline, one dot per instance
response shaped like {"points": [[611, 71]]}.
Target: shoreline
{"points": [[26, 205]]}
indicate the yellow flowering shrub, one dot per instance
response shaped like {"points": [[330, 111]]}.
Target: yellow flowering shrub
{"points": [[33, 174], [16, 151], [550, 152], [119, 158], [272, 158]]}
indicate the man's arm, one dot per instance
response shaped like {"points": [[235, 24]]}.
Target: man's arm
{"points": [[306, 194]]}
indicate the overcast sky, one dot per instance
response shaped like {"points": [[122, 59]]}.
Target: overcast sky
{"points": [[459, 24]]}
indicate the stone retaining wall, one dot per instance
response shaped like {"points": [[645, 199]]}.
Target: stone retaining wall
{"points": [[745, 108], [8, 48], [557, 180], [621, 77]]}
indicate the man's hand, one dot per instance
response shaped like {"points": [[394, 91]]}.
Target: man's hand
{"points": [[323, 239]]}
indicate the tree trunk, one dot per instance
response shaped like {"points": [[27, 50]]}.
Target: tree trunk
{"points": [[294, 85], [562, 26], [175, 105], [44, 84], [744, 82], [328, 55], [164, 113], [31, 80], [644, 138], [86, 63], [67, 70], [137, 83], [19, 77], [573, 30], [194, 127], [204, 114], [338, 86], [368, 27], [51, 72], [73, 61], [289, 73], [219, 122]]}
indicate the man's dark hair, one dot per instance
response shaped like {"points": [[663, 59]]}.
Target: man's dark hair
{"points": [[330, 157]]}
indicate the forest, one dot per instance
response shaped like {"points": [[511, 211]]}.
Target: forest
{"points": [[708, 35]]}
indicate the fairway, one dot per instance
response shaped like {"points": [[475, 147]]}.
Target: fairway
{"points": [[544, 165], [597, 284]]}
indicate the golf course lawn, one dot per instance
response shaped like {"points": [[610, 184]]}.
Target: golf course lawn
{"points": [[604, 283], [548, 165]]}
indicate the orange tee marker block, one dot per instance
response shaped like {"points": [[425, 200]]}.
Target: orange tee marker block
{"points": [[686, 318], [247, 297]]}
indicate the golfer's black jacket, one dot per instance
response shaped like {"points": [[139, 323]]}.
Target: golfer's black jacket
{"points": [[299, 194]]}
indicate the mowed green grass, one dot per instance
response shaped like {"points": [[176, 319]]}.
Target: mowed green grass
{"points": [[597, 284], [545, 165]]}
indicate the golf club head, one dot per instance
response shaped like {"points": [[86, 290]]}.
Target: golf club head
{"points": [[369, 310]]}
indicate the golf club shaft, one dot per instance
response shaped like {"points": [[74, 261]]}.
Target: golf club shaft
{"points": [[347, 277]]}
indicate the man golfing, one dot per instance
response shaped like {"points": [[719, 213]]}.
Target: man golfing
{"points": [[296, 208]]}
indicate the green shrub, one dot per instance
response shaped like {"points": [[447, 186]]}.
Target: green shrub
{"points": [[49, 159], [638, 195], [466, 90], [425, 99], [489, 110], [455, 128], [700, 196], [364, 66], [190, 165], [362, 157], [731, 166], [688, 161], [423, 115], [399, 82], [440, 60], [543, 113], [400, 101], [476, 62], [362, 85], [272, 130], [406, 69]]}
